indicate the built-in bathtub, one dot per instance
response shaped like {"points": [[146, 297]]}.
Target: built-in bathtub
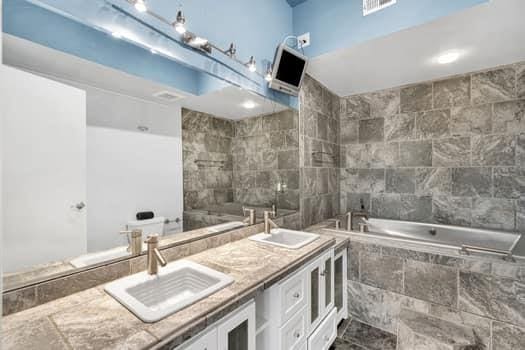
{"points": [[223, 213], [466, 240]]}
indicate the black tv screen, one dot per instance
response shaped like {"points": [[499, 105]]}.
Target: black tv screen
{"points": [[290, 69]]}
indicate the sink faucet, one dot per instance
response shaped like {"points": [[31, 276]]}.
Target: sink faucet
{"points": [[251, 215], [135, 242], [268, 223], [155, 257]]}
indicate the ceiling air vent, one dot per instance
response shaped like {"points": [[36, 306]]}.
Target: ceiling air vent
{"points": [[167, 96], [371, 6]]}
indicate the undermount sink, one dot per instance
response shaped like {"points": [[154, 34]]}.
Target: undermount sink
{"points": [[177, 285], [285, 238]]}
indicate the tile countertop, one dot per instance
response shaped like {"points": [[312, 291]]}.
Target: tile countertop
{"points": [[94, 320]]}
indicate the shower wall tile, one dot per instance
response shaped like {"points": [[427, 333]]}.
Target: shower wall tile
{"points": [[400, 181], [385, 272], [383, 103], [452, 210], [433, 181], [520, 70], [509, 182], [507, 337], [416, 98], [471, 182], [494, 85], [371, 130], [400, 127], [416, 208], [493, 213], [452, 92]]}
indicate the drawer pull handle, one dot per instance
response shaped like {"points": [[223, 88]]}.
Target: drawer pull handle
{"points": [[326, 338], [297, 335], [323, 273], [296, 295]]}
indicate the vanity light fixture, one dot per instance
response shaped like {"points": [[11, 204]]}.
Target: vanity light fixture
{"points": [[140, 6], [153, 51], [180, 22], [117, 35], [196, 42], [232, 50], [249, 104], [252, 65]]}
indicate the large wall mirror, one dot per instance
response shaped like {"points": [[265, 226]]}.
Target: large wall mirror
{"points": [[92, 153]]}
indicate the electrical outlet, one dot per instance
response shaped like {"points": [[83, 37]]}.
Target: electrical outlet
{"points": [[304, 40]]}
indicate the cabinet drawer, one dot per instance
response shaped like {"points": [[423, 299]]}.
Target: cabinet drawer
{"points": [[293, 296], [207, 341], [293, 333], [323, 337]]}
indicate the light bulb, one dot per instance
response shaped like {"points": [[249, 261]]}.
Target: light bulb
{"points": [[252, 66], [153, 51], [448, 57], [249, 104], [179, 23], [140, 6], [117, 35], [268, 76]]}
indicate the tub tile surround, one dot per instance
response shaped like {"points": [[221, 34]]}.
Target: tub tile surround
{"points": [[448, 151], [436, 289], [93, 319]]}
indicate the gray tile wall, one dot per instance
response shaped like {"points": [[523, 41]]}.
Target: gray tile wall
{"points": [[469, 293], [207, 159], [319, 142], [449, 151], [265, 152]]}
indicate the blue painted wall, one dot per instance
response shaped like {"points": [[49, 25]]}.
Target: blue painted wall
{"points": [[337, 24]]}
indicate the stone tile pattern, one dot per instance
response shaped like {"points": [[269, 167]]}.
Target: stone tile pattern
{"points": [[265, 152], [485, 296], [449, 151], [319, 148], [207, 159]]}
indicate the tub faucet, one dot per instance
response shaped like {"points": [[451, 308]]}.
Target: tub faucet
{"points": [[155, 257], [268, 223], [251, 215], [354, 214], [134, 241]]}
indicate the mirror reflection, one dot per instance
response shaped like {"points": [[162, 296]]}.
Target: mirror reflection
{"points": [[116, 157]]}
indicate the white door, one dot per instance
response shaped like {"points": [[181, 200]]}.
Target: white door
{"points": [[44, 170]]}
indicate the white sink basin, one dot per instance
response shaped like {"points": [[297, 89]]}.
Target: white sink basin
{"points": [[286, 238], [98, 257], [177, 285]]}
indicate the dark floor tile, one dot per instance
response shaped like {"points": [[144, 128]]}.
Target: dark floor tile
{"points": [[340, 344], [369, 337]]}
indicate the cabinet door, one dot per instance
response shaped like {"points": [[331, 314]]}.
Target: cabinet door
{"points": [[340, 284], [238, 331], [207, 341], [327, 275], [314, 295]]}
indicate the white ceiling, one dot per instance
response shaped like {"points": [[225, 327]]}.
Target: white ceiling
{"points": [[226, 103], [488, 35]]}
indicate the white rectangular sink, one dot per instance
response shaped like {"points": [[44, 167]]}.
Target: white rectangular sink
{"points": [[177, 285], [285, 238]]}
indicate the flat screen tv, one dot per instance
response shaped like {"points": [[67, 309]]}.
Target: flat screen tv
{"points": [[289, 67]]}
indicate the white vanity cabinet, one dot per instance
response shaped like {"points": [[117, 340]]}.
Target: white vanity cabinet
{"points": [[234, 332], [300, 309]]}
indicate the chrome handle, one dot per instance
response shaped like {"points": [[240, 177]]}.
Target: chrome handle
{"points": [[507, 255], [326, 338], [297, 335], [296, 295], [323, 273]]}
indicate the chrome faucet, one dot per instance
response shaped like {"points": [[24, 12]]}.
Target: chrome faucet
{"points": [[268, 223], [134, 241], [155, 257], [354, 214], [251, 219]]}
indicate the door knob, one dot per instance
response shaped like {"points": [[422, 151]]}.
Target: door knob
{"points": [[79, 206]]}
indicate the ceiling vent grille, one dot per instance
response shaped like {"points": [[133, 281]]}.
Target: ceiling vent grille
{"points": [[371, 6], [167, 96]]}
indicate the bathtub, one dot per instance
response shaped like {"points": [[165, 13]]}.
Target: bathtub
{"points": [[467, 240]]}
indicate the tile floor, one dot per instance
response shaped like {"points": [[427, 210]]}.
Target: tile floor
{"points": [[354, 335]]}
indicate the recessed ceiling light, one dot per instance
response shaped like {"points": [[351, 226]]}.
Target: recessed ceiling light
{"points": [[249, 104], [117, 35], [448, 57]]}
